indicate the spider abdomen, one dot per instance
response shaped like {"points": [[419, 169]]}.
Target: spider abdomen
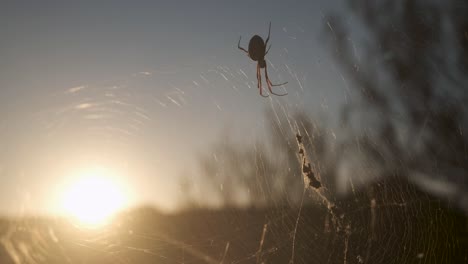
{"points": [[256, 48]]}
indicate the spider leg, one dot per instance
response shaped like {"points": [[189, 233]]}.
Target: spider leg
{"points": [[259, 81], [268, 38], [238, 46], [271, 85]]}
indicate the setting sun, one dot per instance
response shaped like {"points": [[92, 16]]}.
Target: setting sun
{"points": [[93, 197]]}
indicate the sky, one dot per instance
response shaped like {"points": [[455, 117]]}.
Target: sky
{"points": [[141, 87]]}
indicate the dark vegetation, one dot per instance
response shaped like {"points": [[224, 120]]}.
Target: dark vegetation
{"points": [[410, 227], [411, 80]]}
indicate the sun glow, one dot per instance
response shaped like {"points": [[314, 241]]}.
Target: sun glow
{"points": [[93, 197]]}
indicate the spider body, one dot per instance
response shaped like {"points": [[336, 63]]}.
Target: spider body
{"points": [[257, 52], [257, 49]]}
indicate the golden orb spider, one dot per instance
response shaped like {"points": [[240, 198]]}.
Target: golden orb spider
{"points": [[257, 52]]}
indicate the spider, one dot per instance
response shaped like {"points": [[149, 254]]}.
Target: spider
{"points": [[257, 52]]}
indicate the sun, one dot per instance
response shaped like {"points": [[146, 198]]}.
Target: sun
{"points": [[93, 197]]}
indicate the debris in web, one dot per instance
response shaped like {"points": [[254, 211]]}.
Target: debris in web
{"points": [[307, 172]]}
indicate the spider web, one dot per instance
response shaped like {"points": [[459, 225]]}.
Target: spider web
{"points": [[388, 221]]}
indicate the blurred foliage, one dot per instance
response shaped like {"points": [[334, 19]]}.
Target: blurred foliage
{"points": [[409, 68], [260, 174]]}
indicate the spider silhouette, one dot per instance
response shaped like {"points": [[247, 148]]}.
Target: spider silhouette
{"points": [[257, 52]]}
